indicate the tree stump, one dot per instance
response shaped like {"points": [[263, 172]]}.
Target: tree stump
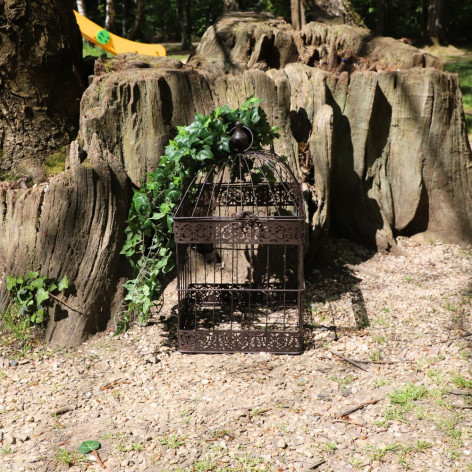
{"points": [[71, 226], [379, 125]]}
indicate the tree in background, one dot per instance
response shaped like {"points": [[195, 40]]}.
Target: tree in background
{"points": [[81, 7], [40, 84], [140, 13], [425, 21], [297, 10], [382, 15], [183, 12], [110, 16], [437, 21], [179, 20]]}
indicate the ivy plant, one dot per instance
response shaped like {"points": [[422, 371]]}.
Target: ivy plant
{"points": [[31, 295], [149, 244]]}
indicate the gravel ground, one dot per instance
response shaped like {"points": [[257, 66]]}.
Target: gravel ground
{"points": [[402, 319]]}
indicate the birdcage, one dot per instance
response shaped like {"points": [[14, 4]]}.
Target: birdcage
{"points": [[239, 232]]}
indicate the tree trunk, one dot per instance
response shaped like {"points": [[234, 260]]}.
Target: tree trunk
{"points": [[381, 28], [40, 83], [81, 7], [183, 13], [424, 20], [231, 5], [338, 10], [124, 18], [139, 18], [298, 14], [437, 20], [110, 15]]}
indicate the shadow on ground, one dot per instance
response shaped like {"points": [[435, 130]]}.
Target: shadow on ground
{"points": [[331, 279]]}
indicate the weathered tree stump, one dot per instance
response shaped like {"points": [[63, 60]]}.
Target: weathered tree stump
{"points": [[379, 124], [71, 226]]}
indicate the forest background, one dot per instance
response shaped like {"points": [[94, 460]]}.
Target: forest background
{"points": [[175, 20]]}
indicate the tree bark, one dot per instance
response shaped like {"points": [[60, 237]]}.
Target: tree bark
{"points": [[183, 13], [139, 18], [437, 16], [298, 14], [71, 226], [231, 5], [124, 18], [381, 28], [110, 15], [81, 7], [337, 10], [40, 83]]}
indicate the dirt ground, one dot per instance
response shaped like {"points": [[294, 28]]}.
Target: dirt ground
{"points": [[384, 384]]}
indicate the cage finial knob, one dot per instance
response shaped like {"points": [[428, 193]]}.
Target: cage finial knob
{"points": [[242, 138]]}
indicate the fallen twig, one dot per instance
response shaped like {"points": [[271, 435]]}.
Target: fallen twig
{"points": [[100, 462], [354, 363], [114, 384], [383, 362], [335, 331], [459, 392], [62, 410], [317, 464], [67, 305], [358, 407]]}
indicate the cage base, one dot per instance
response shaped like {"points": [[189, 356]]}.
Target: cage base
{"points": [[230, 341]]}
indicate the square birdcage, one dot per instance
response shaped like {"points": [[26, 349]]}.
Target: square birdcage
{"points": [[239, 233]]}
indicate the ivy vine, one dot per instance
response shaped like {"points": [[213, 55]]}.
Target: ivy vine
{"points": [[149, 244], [31, 294]]}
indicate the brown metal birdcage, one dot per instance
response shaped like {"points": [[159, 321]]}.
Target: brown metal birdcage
{"points": [[239, 233]]}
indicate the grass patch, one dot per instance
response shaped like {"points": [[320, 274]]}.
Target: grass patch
{"points": [[462, 382], [172, 441], [402, 401], [55, 163], [90, 49], [18, 333], [401, 451], [245, 463], [8, 176], [69, 458]]}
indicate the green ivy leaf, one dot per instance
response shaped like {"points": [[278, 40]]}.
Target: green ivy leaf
{"points": [[173, 195], [11, 282], [39, 316], [88, 446], [63, 284], [39, 282], [41, 296], [139, 200]]}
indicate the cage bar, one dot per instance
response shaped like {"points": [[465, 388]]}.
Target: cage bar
{"points": [[239, 233]]}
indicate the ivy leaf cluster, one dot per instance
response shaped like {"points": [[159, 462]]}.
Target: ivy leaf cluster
{"points": [[149, 243], [31, 295]]}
